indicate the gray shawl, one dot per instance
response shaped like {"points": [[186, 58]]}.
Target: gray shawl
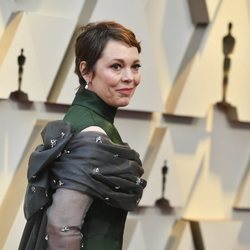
{"points": [[89, 162]]}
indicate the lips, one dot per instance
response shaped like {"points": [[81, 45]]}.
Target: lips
{"points": [[125, 91]]}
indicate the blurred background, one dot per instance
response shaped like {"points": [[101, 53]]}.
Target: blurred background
{"points": [[189, 119]]}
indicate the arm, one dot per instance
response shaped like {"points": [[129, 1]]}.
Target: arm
{"points": [[66, 214]]}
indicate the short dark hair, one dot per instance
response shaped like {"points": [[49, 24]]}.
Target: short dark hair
{"points": [[92, 40]]}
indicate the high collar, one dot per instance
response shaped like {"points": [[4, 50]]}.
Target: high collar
{"points": [[89, 99]]}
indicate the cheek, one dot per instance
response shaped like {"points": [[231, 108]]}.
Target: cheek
{"points": [[138, 79], [111, 80]]}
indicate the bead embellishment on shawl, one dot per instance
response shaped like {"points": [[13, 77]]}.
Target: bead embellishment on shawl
{"points": [[60, 183], [62, 135], [96, 171], [65, 151], [65, 229], [98, 139], [138, 181], [53, 143]]}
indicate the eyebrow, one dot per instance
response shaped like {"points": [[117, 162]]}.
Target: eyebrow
{"points": [[122, 61]]}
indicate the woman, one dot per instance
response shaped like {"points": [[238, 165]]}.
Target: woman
{"points": [[83, 179]]}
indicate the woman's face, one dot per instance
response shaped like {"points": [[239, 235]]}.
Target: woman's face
{"points": [[117, 74]]}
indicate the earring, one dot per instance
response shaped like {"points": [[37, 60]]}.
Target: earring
{"points": [[87, 84]]}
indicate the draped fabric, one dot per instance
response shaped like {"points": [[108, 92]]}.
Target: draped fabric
{"points": [[88, 162]]}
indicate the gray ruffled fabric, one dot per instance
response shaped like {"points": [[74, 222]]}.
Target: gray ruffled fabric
{"points": [[87, 162]]}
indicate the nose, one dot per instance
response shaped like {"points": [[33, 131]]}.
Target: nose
{"points": [[127, 75]]}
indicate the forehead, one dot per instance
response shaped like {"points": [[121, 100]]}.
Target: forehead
{"points": [[119, 50]]}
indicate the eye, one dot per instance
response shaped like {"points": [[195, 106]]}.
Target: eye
{"points": [[136, 66], [116, 66]]}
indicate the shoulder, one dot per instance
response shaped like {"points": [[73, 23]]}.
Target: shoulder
{"points": [[94, 129]]}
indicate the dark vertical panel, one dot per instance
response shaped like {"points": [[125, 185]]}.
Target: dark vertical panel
{"points": [[199, 11]]}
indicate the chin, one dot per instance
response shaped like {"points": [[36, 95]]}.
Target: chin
{"points": [[120, 105], [123, 103]]}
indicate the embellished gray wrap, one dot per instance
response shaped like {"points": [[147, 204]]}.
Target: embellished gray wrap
{"points": [[88, 162]]}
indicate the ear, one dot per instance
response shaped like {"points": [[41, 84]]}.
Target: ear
{"points": [[86, 75]]}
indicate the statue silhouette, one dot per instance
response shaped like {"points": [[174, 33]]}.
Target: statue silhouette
{"points": [[164, 171], [228, 44], [163, 203], [20, 60], [19, 94]]}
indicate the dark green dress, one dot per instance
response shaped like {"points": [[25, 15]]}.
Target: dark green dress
{"points": [[103, 225]]}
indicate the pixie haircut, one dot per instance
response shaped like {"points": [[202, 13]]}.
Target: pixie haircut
{"points": [[92, 40]]}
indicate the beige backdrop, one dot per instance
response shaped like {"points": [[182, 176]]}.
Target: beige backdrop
{"points": [[173, 116]]}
